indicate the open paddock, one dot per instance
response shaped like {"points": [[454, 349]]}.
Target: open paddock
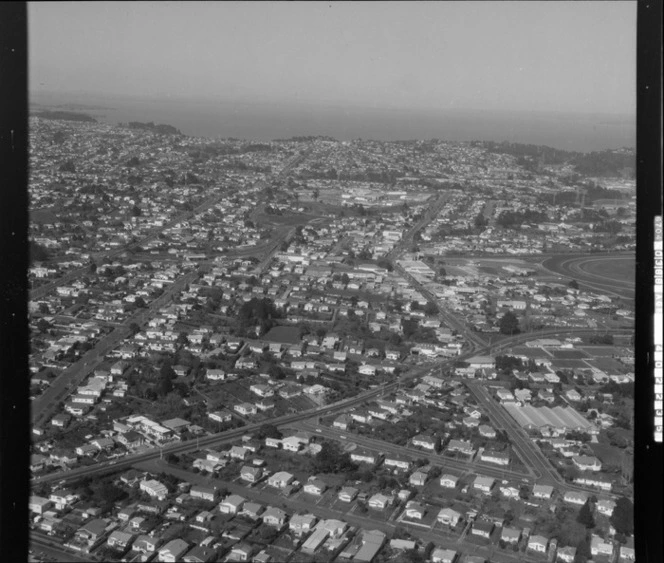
{"points": [[569, 354]]}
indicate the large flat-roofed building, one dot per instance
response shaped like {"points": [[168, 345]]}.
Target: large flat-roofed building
{"points": [[561, 418]]}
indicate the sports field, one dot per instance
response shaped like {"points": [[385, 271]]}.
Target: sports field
{"points": [[618, 268]]}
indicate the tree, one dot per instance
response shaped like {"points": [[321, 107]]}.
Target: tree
{"points": [[509, 323], [585, 516], [480, 220], [330, 459], [431, 309], [68, 166], [573, 284], [166, 371], [268, 431], [582, 551], [37, 252], [164, 387], [622, 518]]}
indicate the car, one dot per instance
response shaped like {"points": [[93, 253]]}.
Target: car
{"points": [[318, 430]]}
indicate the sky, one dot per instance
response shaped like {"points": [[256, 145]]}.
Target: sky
{"points": [[563, 56]]}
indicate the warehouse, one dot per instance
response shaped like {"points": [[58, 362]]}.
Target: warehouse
{"points": [[560, 418]]}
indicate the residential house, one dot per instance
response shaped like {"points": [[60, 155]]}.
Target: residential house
{"points": [[587, 463], [241, 552], [252, 510], [274, 517], [251, 474], [484, 484], [92, 531], [315, 486], [39, 505], [273, 442], [575, 497], [441, 555], [205, 493], [605, 506], [246, 409], [449, 481], [131, 439], [397, 461], [146, 544], [486, 431], [347, 494], [294, 443], [425, 441], [154, 488], [231, 504], [461, 446], [200, 554], [119, 539], [538, 544], [566, 554], [418, 478], [415, 510], [627, 552], [280, 479], [223, 415], [215, 374], [510, 535], [173, 551], [380, 501], [499, 458], [301, 524], [343, 421], [63, 498], [238, 452], [544, 492], [449, 517], [482, 529], [600, 546]]}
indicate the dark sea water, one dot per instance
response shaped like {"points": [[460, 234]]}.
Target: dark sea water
{"points": [[264, 121]]}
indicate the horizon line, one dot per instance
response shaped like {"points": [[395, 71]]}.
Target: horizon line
{"points": [[327, 104]]}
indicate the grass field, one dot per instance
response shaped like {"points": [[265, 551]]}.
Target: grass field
{"points": [[528, 352], [42, 216], [568, 354], [616, 268], [607, 454], [569, 364]]}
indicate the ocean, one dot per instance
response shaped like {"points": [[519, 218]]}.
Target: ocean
{"points": [[267, 121]]}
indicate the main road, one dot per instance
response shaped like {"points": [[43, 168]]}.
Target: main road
{"points": [[50, 400], [450, 320], [230, 435], [415, 453]]}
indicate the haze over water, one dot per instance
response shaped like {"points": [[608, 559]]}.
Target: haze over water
{"points": [[267, 121]]}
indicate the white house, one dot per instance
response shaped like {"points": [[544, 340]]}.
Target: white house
{"points": [[449, 517]]}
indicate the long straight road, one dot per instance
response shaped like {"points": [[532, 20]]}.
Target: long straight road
{"points": [[527, 450], [49, 401], [523, 444], [414, 453], [224, 437], [450, 320]]}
